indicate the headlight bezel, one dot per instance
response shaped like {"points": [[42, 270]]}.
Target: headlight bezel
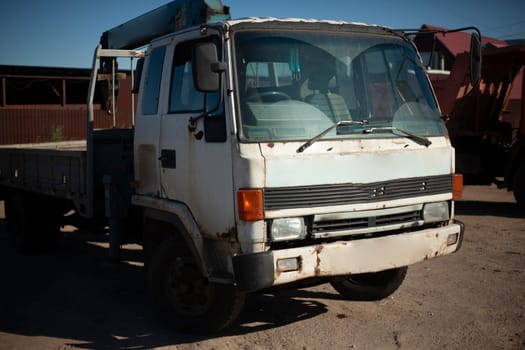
{"points": [[436, 212], [287, 229]]}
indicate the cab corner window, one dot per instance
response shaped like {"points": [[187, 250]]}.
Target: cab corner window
{"points": [[150, 101]]}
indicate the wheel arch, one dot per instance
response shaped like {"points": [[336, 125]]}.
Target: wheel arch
{"points": [[159, 225]]}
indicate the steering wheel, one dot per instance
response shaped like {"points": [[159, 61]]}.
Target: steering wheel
{"points": [[269, 96]]}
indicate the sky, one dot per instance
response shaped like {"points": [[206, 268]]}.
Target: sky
{"points": [[64, 33]]}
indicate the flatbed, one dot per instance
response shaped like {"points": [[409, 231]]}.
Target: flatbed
{"points": [[59, 169]]}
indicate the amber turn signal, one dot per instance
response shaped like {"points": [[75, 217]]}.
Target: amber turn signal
{"points": [[457, 186], [250, 205]]}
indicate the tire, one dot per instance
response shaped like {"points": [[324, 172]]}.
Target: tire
{"points": [[370, 286], [184, 297]]}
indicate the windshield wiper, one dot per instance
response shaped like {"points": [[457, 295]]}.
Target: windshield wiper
{"points": [[327, 130], [421, 140]]}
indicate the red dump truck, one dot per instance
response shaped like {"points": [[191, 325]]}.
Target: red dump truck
{"points": [[486, 122]]}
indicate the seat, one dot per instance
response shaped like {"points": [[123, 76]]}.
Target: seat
{"points": [[331, 104]]}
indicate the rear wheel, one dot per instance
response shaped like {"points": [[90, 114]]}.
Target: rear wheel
{"points": [[370, 286], [184, 297]]}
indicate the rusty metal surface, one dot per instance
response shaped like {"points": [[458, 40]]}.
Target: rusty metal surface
{"points": [[34, 125], [366, 255], [30, 125], [476, 112], [29, 115]]}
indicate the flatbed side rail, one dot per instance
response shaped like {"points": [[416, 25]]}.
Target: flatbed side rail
{"points": [[54, 172]]}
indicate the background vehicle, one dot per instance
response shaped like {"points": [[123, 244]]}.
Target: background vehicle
{"points": [[265, 153], [486, 122]]}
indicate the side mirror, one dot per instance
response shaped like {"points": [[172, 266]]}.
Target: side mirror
{"points": [[206, 67], [475, 59]]}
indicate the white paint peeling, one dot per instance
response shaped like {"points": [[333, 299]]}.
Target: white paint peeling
{"points": [[359, 161], [367, 255]]}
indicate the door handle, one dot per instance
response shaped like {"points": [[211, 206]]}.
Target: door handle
{"points": [[168, 158]]}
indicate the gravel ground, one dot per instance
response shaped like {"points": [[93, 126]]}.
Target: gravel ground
{"points": [[74, 298]]}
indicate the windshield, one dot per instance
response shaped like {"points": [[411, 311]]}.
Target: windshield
{"points": [[294, 85]]}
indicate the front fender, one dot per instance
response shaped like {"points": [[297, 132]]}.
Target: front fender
{"points": [[178, 215]]}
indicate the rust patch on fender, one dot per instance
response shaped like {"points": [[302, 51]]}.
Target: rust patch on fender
{"points": [[442, 249], [230, 236], [317, 268]]}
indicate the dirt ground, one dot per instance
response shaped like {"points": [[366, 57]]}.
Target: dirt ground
{"points": [[475, 299]]}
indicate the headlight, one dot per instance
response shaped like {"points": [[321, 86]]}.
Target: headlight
{"points": [[287, 229], [434, 212]]}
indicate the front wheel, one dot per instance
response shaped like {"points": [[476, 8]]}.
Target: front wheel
{"points": [[370, 286], [184, 297]]}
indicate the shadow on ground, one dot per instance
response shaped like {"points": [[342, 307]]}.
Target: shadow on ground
{"points": [[76, 295], [502, 209]]}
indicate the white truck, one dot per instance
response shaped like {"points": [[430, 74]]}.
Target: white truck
{"points": [[266, 152]]}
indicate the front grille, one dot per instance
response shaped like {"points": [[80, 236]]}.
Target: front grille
{"points": [[411, 218], [341, 194]]}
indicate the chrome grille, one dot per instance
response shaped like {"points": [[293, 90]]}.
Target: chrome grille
{"points": [[341, 194]]}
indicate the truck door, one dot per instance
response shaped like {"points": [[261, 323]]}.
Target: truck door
{"points": [[194, 169]]}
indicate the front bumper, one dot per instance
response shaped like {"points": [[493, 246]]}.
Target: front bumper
{"points": [[259, 270]]}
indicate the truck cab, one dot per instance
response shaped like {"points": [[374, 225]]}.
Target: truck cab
{"points": [[270, 152]]}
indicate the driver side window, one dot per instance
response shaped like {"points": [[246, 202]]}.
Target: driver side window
{"points": [[184, 96]]}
